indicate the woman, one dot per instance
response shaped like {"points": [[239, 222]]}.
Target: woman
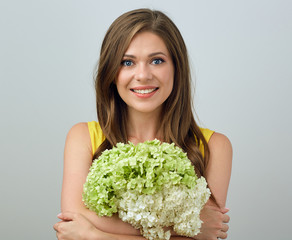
{"points": [[142, 93]]}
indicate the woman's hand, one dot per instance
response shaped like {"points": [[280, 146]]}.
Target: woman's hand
{"points": [[75, 226], [214, 223]]}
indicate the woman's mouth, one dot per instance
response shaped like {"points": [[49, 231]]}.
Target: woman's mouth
{"points": [[144, 91]]}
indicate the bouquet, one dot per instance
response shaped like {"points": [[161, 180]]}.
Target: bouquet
{"points": [[151, 185]]}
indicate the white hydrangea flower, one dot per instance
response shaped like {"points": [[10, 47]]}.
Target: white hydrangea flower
{"points": [[175, 205]]}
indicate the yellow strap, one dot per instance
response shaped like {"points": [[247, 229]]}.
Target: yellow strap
{"points": [[96, 135], [207, 133]]}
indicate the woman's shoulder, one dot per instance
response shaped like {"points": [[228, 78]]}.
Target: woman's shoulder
{"points": [[220, 148], [78, 129], [88, 133], [218, 143], [219, 140], [85, 128], [79, 133], [207, 133], [215, 138], [78, 144]]}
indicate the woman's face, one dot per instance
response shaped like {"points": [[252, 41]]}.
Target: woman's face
{"points": [[145, 79]]}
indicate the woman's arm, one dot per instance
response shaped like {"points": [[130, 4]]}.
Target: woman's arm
{"points": [[76, 227], [218, 176], [219, 168], [77, 161]]}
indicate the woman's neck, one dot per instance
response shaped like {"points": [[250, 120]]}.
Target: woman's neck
{"points": [[142, 127]]}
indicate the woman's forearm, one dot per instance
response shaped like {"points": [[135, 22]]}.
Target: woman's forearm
{"points": [[109, 236], [111, 224], [77, 226], [119, 230]]}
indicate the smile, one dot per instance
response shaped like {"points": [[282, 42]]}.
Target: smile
{"points": [[144, 91]]}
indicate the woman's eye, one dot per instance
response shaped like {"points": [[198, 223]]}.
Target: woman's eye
{"points": [[127, 63], [157, 61]]}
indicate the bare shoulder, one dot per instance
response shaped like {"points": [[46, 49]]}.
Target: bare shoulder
{"points": [[79, 130], [220, 143], [78, 140]]}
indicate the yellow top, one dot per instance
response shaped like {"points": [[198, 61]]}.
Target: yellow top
{"points": [[97, 136]]}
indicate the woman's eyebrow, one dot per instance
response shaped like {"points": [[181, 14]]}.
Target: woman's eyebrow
{"points": [[129, 56], [157, 53], [150, 55]]}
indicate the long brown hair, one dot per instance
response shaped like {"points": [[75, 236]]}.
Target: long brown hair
{"points": [[178, 124]]}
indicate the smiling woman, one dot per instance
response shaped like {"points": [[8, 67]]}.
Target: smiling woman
{"points": [[142, 93]]}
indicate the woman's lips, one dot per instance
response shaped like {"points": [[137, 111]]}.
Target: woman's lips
{"points": [[145, 91]]}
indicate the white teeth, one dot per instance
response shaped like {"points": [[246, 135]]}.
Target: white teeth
{"points": [[144, 91]]}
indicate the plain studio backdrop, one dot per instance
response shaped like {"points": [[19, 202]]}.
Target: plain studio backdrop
{"points": [[240, 53]]}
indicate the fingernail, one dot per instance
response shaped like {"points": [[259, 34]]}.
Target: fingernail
{"points": [[59, 215], [227, 209]]}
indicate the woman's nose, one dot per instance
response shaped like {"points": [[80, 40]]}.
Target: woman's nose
{"points": [[143, 72]]}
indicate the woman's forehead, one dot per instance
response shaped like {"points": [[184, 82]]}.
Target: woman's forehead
{"points": [[147, 43]]}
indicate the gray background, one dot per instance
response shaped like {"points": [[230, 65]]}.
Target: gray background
{"points": [[241, 59]]}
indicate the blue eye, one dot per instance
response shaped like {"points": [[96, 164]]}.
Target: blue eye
{"points": [[158, 61], [127, 63]]}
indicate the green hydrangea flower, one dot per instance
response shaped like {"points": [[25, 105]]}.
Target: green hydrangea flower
{"points": [[147, 170]]}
